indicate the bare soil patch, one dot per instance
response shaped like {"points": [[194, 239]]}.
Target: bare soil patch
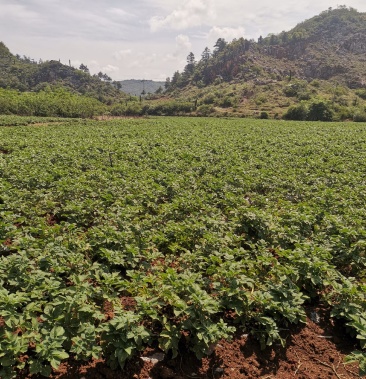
{"points": [[315, 350]]}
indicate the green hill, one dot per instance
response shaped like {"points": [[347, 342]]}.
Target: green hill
{"points": [[320, 60], [24, 74]]}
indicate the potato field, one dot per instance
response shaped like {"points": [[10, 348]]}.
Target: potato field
{"points": [[118, 235]]}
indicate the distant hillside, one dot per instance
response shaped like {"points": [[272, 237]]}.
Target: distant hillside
{"points": [[136, 87], [322, 59], [24, 74], [331, 45]]}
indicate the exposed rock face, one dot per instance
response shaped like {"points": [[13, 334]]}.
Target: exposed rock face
{"points": [[355, 44], [329, 46], [319, 70]]}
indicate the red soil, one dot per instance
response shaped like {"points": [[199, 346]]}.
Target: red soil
{"points": [[316, 350]]}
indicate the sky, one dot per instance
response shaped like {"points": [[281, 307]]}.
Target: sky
{"points": [[143, 39]]}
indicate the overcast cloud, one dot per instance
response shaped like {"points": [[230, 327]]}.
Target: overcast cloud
{"points": [[143, 38]]}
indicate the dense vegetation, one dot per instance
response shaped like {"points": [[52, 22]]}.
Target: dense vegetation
{"points": [[116, 235], [51, 103]]}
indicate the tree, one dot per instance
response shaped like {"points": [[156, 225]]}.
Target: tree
{"points": [[175, 79], [107, 78], [206, 54], [84, 68], [159, 90], [191, 63], [284, 37], [273, 39], [219, 45], [118, 85], [167, 83]]}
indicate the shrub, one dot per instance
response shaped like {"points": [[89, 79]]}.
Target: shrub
{"points": [[361, 93], [133, 108], [320, 111], [343, 113], [205, 110], [169, 108], [227, 102], [118, 110], [359, 116], [209, 98], [260, 99], [295, 89], [264, 116], [303, 95], [297, 112]]}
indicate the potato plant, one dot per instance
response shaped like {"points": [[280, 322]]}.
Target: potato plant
{"points": [[120, 234]]}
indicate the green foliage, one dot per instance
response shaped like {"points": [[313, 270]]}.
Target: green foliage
{"points": [[122, 234], [360, 358], [317, 110], [226, 102], [169, 108], [58, 103], [359, 116], [320, 110], [205, 110], [24, 74], [297, 112], [209, 98], [12, 120], [296, 89], [122, 337], [260, 99], [361, 93]]}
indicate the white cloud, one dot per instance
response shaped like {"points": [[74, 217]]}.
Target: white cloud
{"points": [[119, 13], [183, 42], [110, 69], [191, 13], [75, 63], [95, 66], [225, 32], [17, 11], [122, 54]]}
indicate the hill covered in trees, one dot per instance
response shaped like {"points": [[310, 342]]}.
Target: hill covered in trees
{"points": [[321, 59], [25, 74], [331, 45]]}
